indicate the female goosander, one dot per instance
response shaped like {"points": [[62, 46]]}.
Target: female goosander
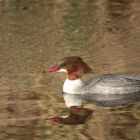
{"points": [[104, 90]]}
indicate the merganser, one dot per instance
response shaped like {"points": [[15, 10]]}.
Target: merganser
{"points": [[105, 90]]}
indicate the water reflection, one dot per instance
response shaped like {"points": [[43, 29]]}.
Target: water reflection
{"points": [[34, 34], [119, 8]]}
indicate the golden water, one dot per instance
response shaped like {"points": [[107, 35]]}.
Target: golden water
{"points": [[35, 34]]}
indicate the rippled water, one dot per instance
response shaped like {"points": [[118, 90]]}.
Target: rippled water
{"points": [[35, 34]]}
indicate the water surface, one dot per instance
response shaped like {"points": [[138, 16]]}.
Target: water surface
{"points": [[35, 34]]}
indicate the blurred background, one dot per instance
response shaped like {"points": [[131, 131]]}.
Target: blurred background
{"points": [[35, 34]]}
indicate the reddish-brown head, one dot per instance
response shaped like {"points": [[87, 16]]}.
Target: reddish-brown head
{"points": [[74, 66]]}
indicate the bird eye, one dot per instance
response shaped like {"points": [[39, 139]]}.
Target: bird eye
{"points": [[62, 65]]}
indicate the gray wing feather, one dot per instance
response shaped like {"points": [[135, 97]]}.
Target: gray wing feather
{"points": [[112, 84]]}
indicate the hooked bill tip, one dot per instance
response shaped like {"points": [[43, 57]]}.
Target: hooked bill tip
{"points": [[44, 71]]}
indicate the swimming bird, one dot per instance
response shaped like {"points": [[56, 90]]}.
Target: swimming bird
{"points": [[104, 90]]}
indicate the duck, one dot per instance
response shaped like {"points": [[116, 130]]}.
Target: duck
{"points": [[107, 90]]}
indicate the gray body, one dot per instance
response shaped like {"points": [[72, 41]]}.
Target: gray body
{"points": [[111, 90]]}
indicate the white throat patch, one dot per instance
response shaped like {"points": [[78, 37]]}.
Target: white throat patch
{"points": [[62, 70], [71, 86]]}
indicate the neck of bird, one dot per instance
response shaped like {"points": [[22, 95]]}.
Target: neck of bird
{"points": [[75, 75], [71, 86]]}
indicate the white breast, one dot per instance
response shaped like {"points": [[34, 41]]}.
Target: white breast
{"points": [[71, 86]]}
